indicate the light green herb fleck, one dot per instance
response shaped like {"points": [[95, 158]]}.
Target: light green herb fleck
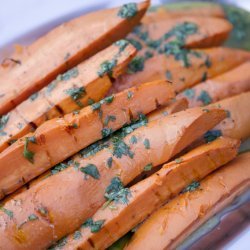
{"points": [[32, 217], [8, 212], [148, 167], [178, 160], [192, 187]]}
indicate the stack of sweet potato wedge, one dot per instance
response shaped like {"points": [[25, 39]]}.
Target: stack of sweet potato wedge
{"points": [[132, 122]]}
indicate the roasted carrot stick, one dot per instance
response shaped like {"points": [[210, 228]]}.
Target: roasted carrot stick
{"points": [[148, 195], [67, 45], [170, 225], [87, 82], [169, 11], [231, 83], [185, 71], [59, 138], [63, 201]]}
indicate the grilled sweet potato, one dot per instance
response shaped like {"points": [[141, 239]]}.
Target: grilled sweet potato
{"points": [[186, 70], [62, 202], [88, 82], [59, 138], [63, 48], [231, 83], [170, 225], [148, 195]]}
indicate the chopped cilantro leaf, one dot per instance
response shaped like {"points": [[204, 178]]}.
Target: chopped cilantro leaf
{"points": [[77, 235], [94, 226], [106, 132], [32, 217], [133, 139], [58, 168], [34, 96], [193, 186], [136, 65], [107, 100], [178, 160], [189, 93], [96, 106], [122, 44], [128, 10], [211, 135], [76, 93], [117, 192], [148, 167], [91, 170], [8, 212], [109, 162], [3, 121], [106, 67], [146, 143], [204, 97], [109, 118], [120, 148], [29, 155], [135, 43]]}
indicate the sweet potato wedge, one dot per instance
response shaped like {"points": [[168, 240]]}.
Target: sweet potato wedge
{"points": [[59, 138], [171, 224], [231, 83], [87, 175], [196, 32], [80, 41], [173, 107], [206, 64], [173, 10], [236, 125], [148, 195], [89, 81]]}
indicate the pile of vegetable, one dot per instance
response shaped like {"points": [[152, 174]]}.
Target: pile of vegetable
{"points": [[127, 134]]}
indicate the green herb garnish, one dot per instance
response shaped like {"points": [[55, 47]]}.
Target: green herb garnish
{"points": [[91, 170], [34, 96], [58, 168], [204, 97], [77, 235], [146, 143], [106, 132], [3, 121], [189, 93], [192, 187], [109, 162], [32, 217], [136, 65], [133, 139], [94, 226], [117, 192], [148, 167], [8, 212], [109, 118], [178, 160], [128, 10], [29, 155], [76, 93], [211, 135], [107, 68]]}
